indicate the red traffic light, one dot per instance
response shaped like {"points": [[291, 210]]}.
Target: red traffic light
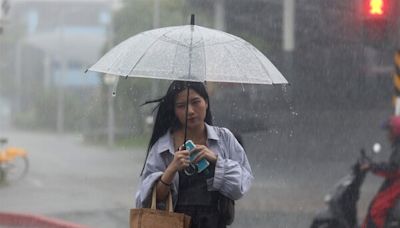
{"points": [[376, 8], [376, 18]]}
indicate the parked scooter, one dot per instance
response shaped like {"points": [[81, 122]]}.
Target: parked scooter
{"points": [[14, 162], [341, 203]]}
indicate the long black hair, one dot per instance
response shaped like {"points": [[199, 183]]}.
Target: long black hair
{"points": [[165, 118]]}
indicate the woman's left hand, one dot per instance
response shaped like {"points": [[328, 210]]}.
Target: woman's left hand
{"points": [[204, 152]]}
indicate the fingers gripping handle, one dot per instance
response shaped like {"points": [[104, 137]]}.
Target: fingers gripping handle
{"points": [[169, 206]]}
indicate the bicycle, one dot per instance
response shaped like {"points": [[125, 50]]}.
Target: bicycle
{"points": [[14, 162]]}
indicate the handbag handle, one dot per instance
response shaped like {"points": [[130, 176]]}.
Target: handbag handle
{"points": [[169, 206]]}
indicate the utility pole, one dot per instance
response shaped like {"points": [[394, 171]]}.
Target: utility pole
{"points": [[156, 24], [219, 14], [110, 82], [156, 14], [18, 76], [61, 96], [63, 73], [396, 82], [396, 76], [288, 35]]}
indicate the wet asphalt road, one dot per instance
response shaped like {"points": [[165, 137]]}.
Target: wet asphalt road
{"points": [[95, 186]]}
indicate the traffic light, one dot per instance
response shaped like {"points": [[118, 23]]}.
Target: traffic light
{"points": [[376, 8], [376, 16]]}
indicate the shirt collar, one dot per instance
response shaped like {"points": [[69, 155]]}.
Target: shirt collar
{"points": [[211, 134], [166, 142]]}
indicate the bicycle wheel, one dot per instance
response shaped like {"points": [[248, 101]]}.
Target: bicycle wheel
{"points": [[17, 168]]}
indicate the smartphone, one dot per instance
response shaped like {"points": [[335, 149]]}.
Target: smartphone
{"points": [[203, 163]]}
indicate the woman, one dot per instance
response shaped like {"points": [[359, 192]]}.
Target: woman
{"points": [[228, 173]]}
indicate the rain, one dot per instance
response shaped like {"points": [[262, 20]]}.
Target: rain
{"points": [[84, 134]]}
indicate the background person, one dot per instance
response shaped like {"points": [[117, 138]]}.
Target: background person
{"points": [[389, 193]]}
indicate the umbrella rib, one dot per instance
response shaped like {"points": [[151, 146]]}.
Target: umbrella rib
{"points": [[145, 52], [176, 51], [218, 43], [237, 63], [171, 40], [204, 55], [247, 45], [235, 39]]}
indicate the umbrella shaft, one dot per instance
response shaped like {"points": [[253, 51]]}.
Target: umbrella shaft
{"points": [[187, 83], [186, 112]]}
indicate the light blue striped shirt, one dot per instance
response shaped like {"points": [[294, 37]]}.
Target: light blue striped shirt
{"points": [[232, 178]]}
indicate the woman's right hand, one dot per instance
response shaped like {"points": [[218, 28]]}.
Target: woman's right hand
{"points": [[180, 161]]}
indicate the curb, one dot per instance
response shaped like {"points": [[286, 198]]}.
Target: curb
{"points": [[31, 220]]}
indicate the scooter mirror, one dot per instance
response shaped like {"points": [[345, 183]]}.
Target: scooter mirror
{"points": [[376, 148]]}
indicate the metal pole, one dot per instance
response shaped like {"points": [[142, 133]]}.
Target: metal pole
{"points": [[288, 44], [288, 25], [63, 72], [18, 65], [219, 14], [396, 82], [47, 72], [111, 118], [61, 97], [156, 24], [111, 94], [156, 14], [288, 36]]}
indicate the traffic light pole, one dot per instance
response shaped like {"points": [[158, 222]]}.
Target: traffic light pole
{"points": [[396, 75], [396, 82], [288, 36]]}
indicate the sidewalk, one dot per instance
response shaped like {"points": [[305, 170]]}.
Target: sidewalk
{"points": [[68, 179]]}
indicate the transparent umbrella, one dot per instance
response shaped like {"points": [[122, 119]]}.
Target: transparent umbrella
{"points": [[189, 53]]}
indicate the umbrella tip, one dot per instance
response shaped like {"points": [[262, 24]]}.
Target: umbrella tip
{"points": [[192, 19]]}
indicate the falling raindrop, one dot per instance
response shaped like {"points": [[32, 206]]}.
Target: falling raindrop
{"points": [[243, 89], [114, 91]]}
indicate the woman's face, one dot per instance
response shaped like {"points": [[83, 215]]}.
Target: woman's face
{"points": [[196, 111]]}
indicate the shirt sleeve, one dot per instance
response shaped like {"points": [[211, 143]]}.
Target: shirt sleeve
{"points": [[233, 175], [154, 168]]}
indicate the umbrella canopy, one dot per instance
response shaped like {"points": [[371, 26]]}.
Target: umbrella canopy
{"points": [[189, 53]]}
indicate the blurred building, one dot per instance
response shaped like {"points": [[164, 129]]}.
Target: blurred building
{"points": [[54, 41]]}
